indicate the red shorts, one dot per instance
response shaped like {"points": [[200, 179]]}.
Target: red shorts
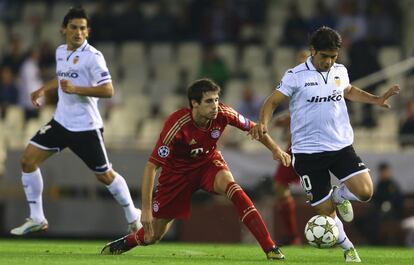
{"points": [[174, 191], [285, 175]]}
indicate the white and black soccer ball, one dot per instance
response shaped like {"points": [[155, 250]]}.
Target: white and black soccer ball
{"points": [[321, 231]]}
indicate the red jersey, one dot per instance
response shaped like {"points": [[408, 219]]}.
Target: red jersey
{"points": [[183, 147]]}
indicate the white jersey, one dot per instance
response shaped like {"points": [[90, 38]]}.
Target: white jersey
{"points": [[84, 67], [319, 116]]}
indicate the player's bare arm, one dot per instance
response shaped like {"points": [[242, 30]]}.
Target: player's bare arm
{"points": [[147, 187], [103, 91], [277, 152], [269, 105], [35, 95], [354, 93]]}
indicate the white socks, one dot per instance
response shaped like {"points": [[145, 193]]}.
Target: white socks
{"points": [[119, 189], [33, 188], [343, 241], [344, 193]]}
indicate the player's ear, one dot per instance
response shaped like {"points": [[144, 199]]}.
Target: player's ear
{"points": [[312, 51], [194, 103]]}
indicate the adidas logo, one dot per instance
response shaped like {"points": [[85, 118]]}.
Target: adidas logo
{"points": [[192, 142]]}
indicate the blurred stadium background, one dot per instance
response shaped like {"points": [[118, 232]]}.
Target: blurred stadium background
{"points": [[154, 49]]}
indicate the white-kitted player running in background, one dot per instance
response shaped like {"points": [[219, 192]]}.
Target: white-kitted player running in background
{"points": [[82, 78]]}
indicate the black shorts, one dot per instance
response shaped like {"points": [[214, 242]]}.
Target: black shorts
{"points": [[313, 170], [88, 145]]}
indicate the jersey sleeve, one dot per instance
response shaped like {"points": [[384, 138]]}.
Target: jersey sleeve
{"points": [[288, 84], [164, 146], [235, 119], [99, 71]]}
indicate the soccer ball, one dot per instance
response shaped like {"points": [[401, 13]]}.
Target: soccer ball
{"points": [[321, 231]]}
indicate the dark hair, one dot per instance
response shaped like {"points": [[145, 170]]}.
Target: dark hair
{"points": [[325, 39], [75, 12], [199, 87], [383, 166]]}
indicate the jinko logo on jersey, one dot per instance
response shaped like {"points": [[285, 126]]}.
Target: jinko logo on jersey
{"points": [[68, 74], [334, 97]]}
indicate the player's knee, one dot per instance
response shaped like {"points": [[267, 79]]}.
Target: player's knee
{"points": [[365, 193], [27, 163]]}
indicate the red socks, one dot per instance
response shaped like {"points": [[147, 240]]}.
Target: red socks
{"points": [[249, 215], [136, 238], [287, 212]]}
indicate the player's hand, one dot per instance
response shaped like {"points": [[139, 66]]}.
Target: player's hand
{"points": [[35, 95], [258, 131], [281, 155], [394, 90], [147, 222], [67, 86]]}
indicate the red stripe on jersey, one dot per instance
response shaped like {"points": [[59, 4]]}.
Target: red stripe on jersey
{"points": [[175, 128], [223, 107], [229, 113]]}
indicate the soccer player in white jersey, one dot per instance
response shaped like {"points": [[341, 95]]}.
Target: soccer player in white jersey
{"points": [[322, 135], [82, 78]]}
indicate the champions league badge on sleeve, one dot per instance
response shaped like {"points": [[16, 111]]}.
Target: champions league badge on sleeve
{"points": [[163, 151]]}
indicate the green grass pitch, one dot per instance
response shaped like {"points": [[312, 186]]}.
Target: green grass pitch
{"points": [[44, 252]]}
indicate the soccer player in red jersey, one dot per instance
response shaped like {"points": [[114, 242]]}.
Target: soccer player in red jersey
{"points": [[187, 153]]}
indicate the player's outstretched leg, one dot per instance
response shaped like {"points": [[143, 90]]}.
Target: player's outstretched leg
{"points": [[253, 220], [119, 190], [33, 188], [343, 206]]}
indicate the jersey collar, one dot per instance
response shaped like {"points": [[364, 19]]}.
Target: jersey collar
{"points": [[83, 46], [309, 64], [80, 48]]}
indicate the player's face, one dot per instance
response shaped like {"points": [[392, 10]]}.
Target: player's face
{"points": [[323, 60], [76, 32], [208, 107]]}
